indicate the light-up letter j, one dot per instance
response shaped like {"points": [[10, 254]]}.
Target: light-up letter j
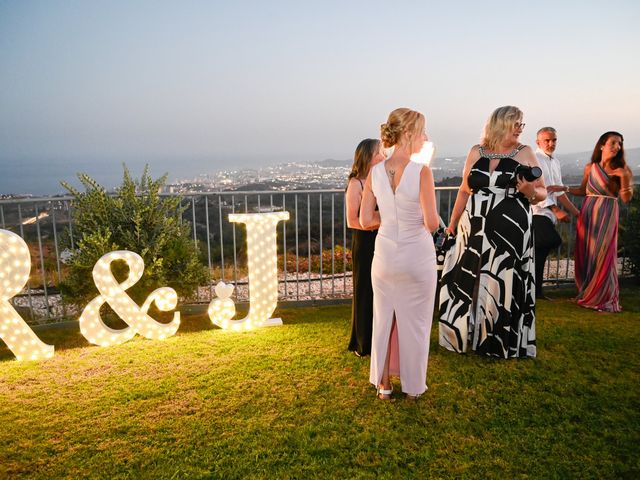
{"points": [[15, 266], [262, 253]]}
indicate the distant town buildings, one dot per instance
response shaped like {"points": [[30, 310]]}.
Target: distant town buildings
{"points": [[327, 174], [332, 174]]}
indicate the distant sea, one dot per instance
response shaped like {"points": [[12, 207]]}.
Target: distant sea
{"points": [[40, 177], [43, 177]]}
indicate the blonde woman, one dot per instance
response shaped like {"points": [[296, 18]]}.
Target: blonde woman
{"points": [[368, 153], [487, 295], [403, 273]]}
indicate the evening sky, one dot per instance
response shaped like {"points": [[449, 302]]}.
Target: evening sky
{"points": [[208, 83]]}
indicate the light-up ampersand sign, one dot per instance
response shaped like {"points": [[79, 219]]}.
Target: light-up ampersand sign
{"points": [[15, 266], [113, 293], [262, 253]]}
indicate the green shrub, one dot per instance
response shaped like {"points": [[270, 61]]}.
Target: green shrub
{"points": [[303, 261], [630, 237], [135, 218]]}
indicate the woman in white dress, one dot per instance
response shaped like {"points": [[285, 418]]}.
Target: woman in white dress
{"points": [[403, 272]]}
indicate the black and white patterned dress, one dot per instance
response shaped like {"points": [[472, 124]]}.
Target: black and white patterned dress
{"points": [[487, 294]]}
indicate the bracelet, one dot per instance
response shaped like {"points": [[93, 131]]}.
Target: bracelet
{"points": [[627, 189]]}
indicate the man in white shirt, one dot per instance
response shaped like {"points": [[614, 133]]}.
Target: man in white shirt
{"points": [[547, 213]]}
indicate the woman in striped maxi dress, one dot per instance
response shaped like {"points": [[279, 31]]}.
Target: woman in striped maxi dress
{"points": [[606, 178]]}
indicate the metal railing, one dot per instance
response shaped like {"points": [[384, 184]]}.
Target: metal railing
{"points": [[313, 246]]}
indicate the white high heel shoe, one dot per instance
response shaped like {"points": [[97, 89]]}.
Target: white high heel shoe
{"points": [[383, 394]]}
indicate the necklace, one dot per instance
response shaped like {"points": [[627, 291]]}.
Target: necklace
{"points": [[492, 156]]}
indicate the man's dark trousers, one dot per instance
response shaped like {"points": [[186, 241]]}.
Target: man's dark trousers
{"points": [[546, 239]]}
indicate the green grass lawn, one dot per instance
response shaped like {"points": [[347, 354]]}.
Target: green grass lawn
{"points": [[291, 402]]}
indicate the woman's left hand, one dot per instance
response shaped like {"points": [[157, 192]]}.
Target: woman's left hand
{"points": [[621, 172]]}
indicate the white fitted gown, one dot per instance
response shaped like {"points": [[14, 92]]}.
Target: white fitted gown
{"points": [[404, 279]]}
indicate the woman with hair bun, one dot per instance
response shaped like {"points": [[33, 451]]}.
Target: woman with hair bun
{"points": [[368, 153], [403, 273], [606, 178], [487, 293]]}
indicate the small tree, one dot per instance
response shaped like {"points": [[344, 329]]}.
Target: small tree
{"points": [[135, 218], [630, 237]]}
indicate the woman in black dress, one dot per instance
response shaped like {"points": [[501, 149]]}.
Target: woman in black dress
{"points": [[487, 294], [368, 153]]}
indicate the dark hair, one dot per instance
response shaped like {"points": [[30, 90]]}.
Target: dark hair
{"points": [[362, 158], [619, 160]]}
